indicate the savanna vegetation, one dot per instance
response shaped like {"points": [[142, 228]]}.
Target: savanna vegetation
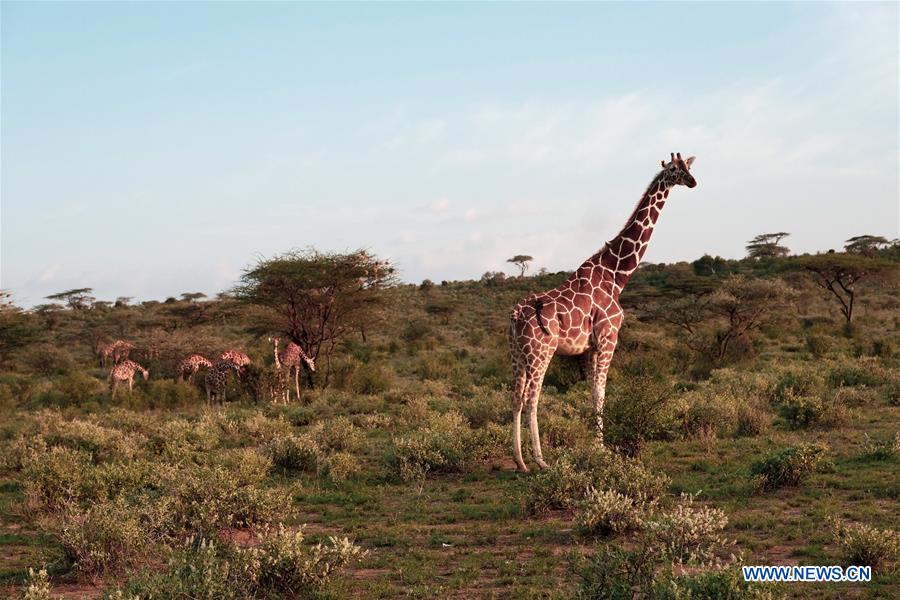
{"points": [[753, 417]]}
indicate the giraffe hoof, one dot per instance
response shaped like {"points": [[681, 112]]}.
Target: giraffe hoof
{"points": [[522, 468], [543, 465]]}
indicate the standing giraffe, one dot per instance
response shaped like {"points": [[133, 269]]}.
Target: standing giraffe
{"points": [[217, 379], [293, 358], [124, 371], [189, 365], [582, 317]]}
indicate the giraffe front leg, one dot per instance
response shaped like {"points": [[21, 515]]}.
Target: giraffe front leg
{"points": [[517, 435], [602, 360], [131, 385]]}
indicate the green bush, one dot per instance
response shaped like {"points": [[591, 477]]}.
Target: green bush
{"points": [[751, 421], [339, 433], [281, 566], [818, 344], [688, 533], [852, 374], [106, 538], [788, 467], [806, 411], [885, 449], [57, 478], [340, 466], [297, 452], [862, 545], [726, 583], [566, 482], [797, 383], [445, 444], [373, 378], [640, 408], [606, 511]]}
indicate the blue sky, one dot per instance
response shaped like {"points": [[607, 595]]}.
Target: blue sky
{"points": [[150, 149]]}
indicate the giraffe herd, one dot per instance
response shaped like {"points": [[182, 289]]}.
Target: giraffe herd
{"points": [[116, 355]]}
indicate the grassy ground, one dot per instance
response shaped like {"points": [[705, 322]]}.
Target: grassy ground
{"points": [[467, 533]]}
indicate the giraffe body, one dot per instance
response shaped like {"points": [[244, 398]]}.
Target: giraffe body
{"points": [[189, 365], [293, 357], [582, 316], [217, 380], [125, 371], [117, 350], [236, 357]]}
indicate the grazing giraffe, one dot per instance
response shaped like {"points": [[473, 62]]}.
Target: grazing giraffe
{"points": [[293, 358], [235, 356], [189, 366], [582, 317], [217, 379], [124, 371]]}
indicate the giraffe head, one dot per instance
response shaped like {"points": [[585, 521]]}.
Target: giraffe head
{"points": [[678, 171], [310, 362]]}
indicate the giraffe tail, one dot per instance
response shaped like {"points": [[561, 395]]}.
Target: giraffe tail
{"points": [[538, 308]]}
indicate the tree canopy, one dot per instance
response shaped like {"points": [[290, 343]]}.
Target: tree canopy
{"points": [[767, 246], [521, 261], [839, 274], [316, 298]]}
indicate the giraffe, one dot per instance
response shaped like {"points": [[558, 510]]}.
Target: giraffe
{"points": [[293, 358], [118, 350], [189, 365], [124, 371], [582, 316], [235, 356], [217, 379]]}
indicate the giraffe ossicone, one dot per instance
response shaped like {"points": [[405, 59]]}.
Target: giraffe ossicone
{"points": [[582, 316]]}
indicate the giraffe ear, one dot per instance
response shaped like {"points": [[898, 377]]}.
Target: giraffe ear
{"points": [[689, 161]]}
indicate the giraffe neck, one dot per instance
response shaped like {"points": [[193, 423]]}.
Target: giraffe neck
{"points": [[622, 254]]}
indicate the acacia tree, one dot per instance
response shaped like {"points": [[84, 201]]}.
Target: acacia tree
{"points": [[839, 274], [76, 299], [713, 321], [767, 246], [316, 298], [867, 245], [521, 261]]}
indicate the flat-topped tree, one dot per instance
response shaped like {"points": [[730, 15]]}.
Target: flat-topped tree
{"points": [[316, 298], [521, 261], [767, 246], [76, 299], [840, 274], [867, 245]]}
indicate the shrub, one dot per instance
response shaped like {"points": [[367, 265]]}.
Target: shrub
{"points": [[797, 383], [641, 409], [373, 378], [688, 533], [298, 452], [340, 466], [751, 421], [339, 433], [77, 388], [726, 583], [863, 545], [818, 344], [806, 411], [788, 467], [102, 443], [56, 478], [289, 568], [567, 480], [885, 449], [607, 511], [37, 585], [851, 374], [104, 539], [445, 444]]}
